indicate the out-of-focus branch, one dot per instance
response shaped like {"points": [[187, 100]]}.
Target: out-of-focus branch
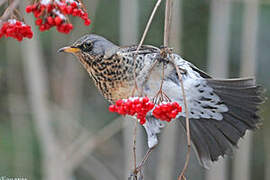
{"points": [[3, 2], [89, 145], [36, 77], [97, 169], [242, 161], [8, 11], [18, 110]]}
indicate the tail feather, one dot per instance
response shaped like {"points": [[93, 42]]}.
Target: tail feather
{"points": [[232, 97], [201, 147], [213, 138], [237, 124], [220, 138], [213, 146]]}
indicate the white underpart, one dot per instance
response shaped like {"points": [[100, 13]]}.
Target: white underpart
{"points": [[202, 101], [152, 127]]}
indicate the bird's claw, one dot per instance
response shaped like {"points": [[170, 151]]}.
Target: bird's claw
{"points": [[134, 175], [164, 51]]}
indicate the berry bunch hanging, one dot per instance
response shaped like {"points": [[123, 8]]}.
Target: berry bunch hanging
{"points": [[16, 29], [50, 13], [167, 111], [133, 106]]}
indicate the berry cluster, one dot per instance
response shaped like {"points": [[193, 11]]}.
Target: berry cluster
{"points": [[16, 29], [132, 106], [50, 13], [167, 111]]}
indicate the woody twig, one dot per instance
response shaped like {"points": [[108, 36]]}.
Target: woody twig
{"points": [[167, 30]]}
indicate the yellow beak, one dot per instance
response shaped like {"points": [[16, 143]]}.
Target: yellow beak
{"points": [[69, 49]]}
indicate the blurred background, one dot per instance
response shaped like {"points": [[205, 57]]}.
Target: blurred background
{"points": [[54, 125]]}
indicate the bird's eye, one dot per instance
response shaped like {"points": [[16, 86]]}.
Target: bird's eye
{"points": [[87, 46]]}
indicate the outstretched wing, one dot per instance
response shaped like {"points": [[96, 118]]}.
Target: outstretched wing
{"points": [[220, 111]]}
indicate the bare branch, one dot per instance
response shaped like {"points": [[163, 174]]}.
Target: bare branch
{"points": [[86, 148], [141, 42], [97, 169], [8, 11], [181, 176], [168, 22], [3, 2], [167, 30], [148, 25], [134, 144]]}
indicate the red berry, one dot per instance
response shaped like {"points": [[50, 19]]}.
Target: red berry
{"points": [[38, 22], [142, 121], [70, 26], [87, 22], [50, 8], [112, 108], [57, 20], [42, 27], [50, 20], [74, 4], [119, 102], [69, 9], [28, 9]]}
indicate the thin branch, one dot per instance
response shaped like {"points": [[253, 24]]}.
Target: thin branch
{"points": [[138, 169], [168, 22], [167, 30], [104, 134], [8, 11], [148, 25], [141, 42], [3, 2], [134, 147], [97, 169], [181, 176], [135, 79]]}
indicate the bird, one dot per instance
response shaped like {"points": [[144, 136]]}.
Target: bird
{"points": [[220, 110]]}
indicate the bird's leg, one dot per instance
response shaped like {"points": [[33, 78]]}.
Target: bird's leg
{"points": [[146, 156], [164, 51], [161, 96]]}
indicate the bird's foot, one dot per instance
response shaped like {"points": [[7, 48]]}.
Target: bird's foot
{"points": [[182, 177], [164, 51], [136, 175]]}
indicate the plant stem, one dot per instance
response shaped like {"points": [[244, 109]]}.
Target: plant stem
{"points": [[8, 11], [181, 176], [168, 22], [148, 25], [167, 30]]}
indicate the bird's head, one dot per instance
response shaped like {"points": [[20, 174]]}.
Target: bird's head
{"points": [[91, 46]]}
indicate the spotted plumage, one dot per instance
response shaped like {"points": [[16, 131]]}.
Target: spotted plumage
{"points": [[220, 111]]}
